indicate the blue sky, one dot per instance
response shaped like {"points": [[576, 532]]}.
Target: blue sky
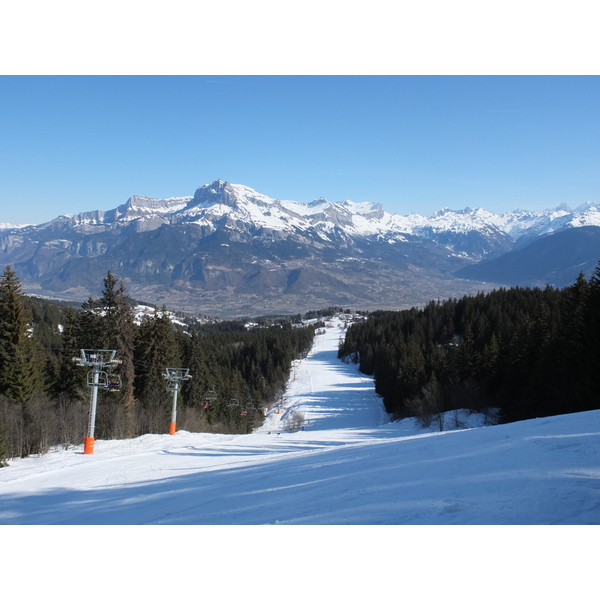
{"points": [[70, 144]]}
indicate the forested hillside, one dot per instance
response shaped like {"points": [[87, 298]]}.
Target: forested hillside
{"points": [[527, 352], [44, 393]]}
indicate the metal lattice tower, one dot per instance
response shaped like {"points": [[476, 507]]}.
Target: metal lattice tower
{"points": [[175, 377], [97, 378]]}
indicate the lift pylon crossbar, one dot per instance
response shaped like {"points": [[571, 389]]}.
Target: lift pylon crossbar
{"points": [[177, 374], [101, 358]]}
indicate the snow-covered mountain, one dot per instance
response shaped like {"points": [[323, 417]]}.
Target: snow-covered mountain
{"points": [[238, 207], [7, 226], [260, 253]]}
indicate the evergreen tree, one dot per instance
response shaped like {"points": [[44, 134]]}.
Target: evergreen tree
{"points": [[465, 355], [202, 381], [118, 334], [21, 358], [71, 379], [489, 366], [590, 391], [90, 330], [108, 324], [155, 350]]}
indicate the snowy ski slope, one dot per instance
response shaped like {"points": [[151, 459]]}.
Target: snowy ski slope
{"points": [[349, 465]]}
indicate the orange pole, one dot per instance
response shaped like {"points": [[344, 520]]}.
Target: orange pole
{"points": [[172, 428], [88, 445]]}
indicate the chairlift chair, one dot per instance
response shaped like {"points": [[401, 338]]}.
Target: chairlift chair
{"points": [[209, 397], [114, 383], [233, 403]]}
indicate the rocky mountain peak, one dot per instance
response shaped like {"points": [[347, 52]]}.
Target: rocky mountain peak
{"points": [[587, 206], [217, 192]]}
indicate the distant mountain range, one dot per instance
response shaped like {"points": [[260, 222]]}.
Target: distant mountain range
{"points": [[230, 250], [555, 259]]}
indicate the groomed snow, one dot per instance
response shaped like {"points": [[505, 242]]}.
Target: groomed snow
{"points": [[349, 465]]}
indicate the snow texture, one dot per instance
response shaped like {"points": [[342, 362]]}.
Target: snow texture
{"points": [[349, 465]]}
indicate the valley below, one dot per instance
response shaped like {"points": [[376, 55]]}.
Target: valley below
{"points": [[229, 251]]}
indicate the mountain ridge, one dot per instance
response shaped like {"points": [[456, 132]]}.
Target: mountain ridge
{"points": [[209, 250], [561, 255], [220, 194]]}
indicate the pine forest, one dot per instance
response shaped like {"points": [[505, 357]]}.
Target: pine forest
{"points": [[515, 353], [512, 354], [44, 392]]}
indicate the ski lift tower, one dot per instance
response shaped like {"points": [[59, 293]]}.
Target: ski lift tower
{"points": [[174, 379], [97, 378]]}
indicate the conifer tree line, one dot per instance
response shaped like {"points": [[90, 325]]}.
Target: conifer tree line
{"points": [[44, 396], [524, 352]]}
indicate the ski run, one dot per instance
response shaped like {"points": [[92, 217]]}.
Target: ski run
{"points": [[349, 466], [327, 455]]}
